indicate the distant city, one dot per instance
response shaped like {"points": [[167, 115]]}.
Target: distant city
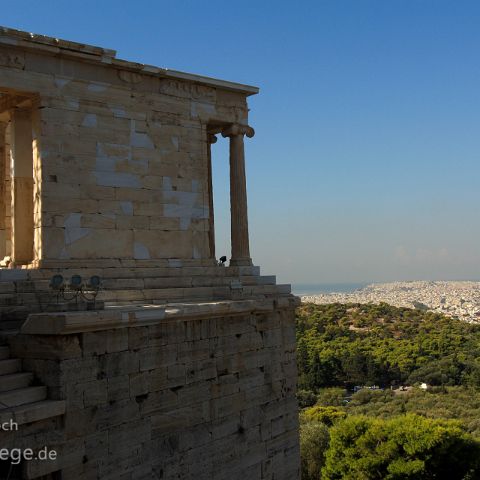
{"points": [[302, 289], [453, 298]]}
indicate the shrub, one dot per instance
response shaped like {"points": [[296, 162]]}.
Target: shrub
{"points": [[306, 398], [326, 415]]}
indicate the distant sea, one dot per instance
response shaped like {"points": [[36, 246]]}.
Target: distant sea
{"points": [[316, 288]]}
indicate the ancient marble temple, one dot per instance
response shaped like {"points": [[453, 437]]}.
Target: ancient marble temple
{"points": [[126, 347]]}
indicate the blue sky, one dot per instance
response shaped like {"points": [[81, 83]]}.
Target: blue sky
{"points": [[366, 161]]}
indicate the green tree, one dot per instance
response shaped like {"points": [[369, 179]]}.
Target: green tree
{"points": [[446, 371], [403, 447], [314, 439]]}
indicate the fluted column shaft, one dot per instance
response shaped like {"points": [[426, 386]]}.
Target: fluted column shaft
{"points": [[238, 195]]}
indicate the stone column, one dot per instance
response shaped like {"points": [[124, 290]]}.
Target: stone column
{"points": [[22, 181], [3, 193], [238, 194], [211, 218]]}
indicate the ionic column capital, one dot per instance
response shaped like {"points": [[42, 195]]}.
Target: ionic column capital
{"points": [[211, 138], [237, 129]]}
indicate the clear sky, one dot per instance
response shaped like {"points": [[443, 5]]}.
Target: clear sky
{"points": [[365, 165]]}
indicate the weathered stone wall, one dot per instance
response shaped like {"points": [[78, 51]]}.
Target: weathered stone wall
{"points": [[207, 398], [141, 165]]}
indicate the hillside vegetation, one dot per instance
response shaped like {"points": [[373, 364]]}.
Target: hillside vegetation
{"points": [[387, 432], [353, 344]]}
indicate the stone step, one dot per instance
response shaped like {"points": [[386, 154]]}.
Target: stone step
{"points": [[15, 380], [167, 294], [135, 282], [21, 396], [4, 352], [33, 412], [13, 324], [144, 294], [7, 334], [7, 299], [116, 271], [7, 287], [10, 365]]}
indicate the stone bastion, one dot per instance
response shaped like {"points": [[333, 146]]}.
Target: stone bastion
{"points": [[126, 347]]}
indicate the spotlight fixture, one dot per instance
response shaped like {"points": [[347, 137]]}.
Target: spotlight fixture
{"points": [[76, 289], [56, 282], [94, 282], [76, 282]]}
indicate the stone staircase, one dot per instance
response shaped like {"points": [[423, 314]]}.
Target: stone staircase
{"points": [[20, 400]]}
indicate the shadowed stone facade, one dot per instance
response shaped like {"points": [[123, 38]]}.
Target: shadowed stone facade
{"points": [[181, 367]]}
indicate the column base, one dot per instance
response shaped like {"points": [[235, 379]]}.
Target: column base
{"points": [[241, 262]]}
